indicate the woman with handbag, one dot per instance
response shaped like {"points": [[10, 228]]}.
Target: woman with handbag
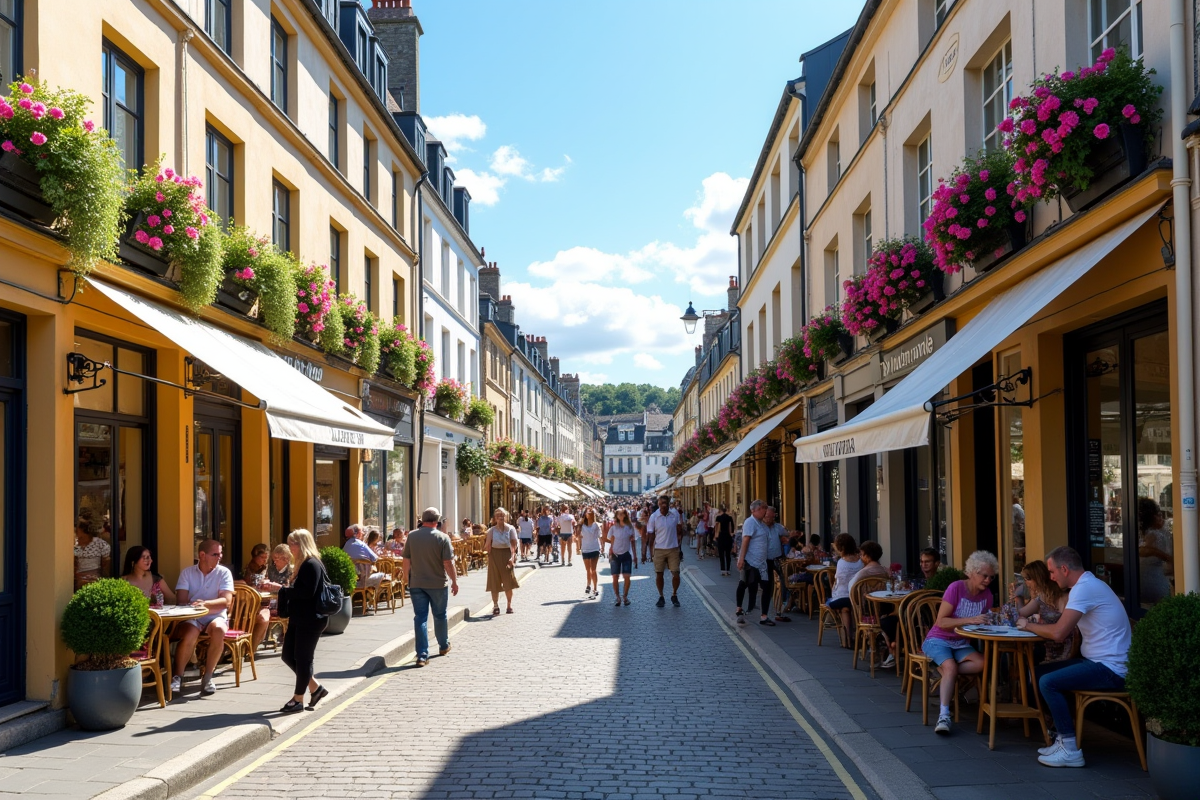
{"points": [[298, 603]]}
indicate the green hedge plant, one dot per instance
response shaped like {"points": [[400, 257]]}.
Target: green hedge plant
{"points": [[1164, 669], [340, 568], [105, 621], [944, 577]]}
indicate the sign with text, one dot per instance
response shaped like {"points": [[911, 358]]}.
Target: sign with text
{"points": [[903, 359]]}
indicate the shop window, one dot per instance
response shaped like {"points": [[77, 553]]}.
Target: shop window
{"points": [[10, 42], [123, 104], [331, 494], [1115, 23]]}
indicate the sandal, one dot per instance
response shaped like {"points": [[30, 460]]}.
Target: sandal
{"points": [[495, 611], [509, 610]]}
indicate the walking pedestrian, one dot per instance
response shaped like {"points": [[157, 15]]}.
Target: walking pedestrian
{"points": [[622, 553], [525, 533], [752, 561], [545, 532], [564, 523], [501, 545], [589, 549], [298, 603], [703, 526], [725, 539], [664, 536], [428, 560]]}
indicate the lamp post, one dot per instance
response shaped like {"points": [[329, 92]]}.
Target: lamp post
{"points": [[690, 318]]}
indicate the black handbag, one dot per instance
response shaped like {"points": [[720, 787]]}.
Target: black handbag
{"points": [[283, 603], [329, 596]]}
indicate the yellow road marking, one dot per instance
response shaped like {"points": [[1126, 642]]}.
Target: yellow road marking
{"points": [[855, 791]]}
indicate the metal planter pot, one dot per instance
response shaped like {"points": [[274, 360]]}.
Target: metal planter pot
{"points": [[21, 190], [139, 255], [1018, 236], [338, 622], [1174, 768], [235, 297], [1113, 162], [104, 700]]}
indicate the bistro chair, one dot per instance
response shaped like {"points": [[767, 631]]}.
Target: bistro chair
{"points": [[788, 594], [363, 593], [243, 612], [828, 617], [866, 626], [386, 591], [901, 642], [150, 659], [918, 618], [1083, 699], [479, 554]]}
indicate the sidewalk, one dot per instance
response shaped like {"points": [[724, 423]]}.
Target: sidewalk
{"points": [[164, 751], [902, 758]]}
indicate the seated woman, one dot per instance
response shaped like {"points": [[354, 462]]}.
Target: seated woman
{"points": [[375, 542], [279, 569], [399, 537], [848, 565], [965, 602], [93, 554], [256, 570], [1048, 603], [138, 571]]}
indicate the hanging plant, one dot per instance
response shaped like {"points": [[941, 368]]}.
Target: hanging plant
{"points": [[799, 365], [254, 263], [315, 318], [533, 460], [472, 461], [78, 167], [479, 414], [450, 398], [1052, 132], [973, 211], [897, 276], [360, 332], [398, 353], [171, 218], [426, 379], [821, 334]]}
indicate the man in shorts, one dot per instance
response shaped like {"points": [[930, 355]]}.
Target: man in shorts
{"points": [[664, 535], [545, 534], [564, 523], [207, 585], [525, 533]]}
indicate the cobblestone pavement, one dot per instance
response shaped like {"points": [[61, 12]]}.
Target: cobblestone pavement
{"points": [[566, 698]]}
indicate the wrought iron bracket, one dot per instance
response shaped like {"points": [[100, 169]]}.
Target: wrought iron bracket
{"points": [[1168, 238], [80, 370], [195, 374], [1000, 394]]}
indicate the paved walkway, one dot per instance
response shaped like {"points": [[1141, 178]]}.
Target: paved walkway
{"points": [[955, 767], [172, 748], [566, 698]]}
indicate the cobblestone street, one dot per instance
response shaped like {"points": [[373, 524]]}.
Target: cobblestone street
{"points": [[566, 698]]}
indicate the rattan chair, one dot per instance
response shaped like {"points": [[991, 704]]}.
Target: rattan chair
{"points": [[788, 594], [1083, 699], [386, 591], [866, 625], [918, 618], [243, 612], [150, 658], [363, 594], [901, 642], [828, 618]]}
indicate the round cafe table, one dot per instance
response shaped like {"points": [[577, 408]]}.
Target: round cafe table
{"points": [[171, 615], [819, 567], [997, 639]]}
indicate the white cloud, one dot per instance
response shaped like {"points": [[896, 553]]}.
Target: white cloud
{"points": [[591, 263], [719, 200], [646, 361], [454, 129], [484, 186], [507, 161], [592, 377]]}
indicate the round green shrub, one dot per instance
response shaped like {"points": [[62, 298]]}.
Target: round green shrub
{"points": [[106, 619], [944, 577], [340, 568], [1164, 669]]}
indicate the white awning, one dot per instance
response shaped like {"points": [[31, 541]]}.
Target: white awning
{"points": [[692, 476], [719, 473], [899, 419], [532, 483], [297, 408], [567, 490]]}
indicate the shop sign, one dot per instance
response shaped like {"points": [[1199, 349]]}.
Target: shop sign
{"points": [[308, 369], [823, 410], [389, 409], [900, 361]]}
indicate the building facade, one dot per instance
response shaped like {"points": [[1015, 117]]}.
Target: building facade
{"points": [[638, 448]]}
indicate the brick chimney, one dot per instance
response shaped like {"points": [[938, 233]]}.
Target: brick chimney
{"points": [[712, 324], [734, 292], [699, 350], [505, 311], [399, 33], [489, 280], [542, 346], [570, 384], [554, 365]]}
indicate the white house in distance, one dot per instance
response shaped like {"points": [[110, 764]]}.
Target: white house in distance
{"points": [[637, 450]]}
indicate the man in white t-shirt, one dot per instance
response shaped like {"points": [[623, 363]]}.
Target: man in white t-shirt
{"points": [[525, 533], [1096, 610], [564, 523], [664, 536], [207, 585]]}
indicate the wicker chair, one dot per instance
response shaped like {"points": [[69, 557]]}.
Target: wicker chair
{"points": [[386, 592], [363, 594], [243, 612], [1083, 699], [901, 643], [150, 659], [790, 595], [828, 617], [866, 625], [918, 618]]}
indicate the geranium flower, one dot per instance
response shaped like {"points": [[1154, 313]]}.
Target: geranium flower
{"points": [[153, 220], [167, 212], [1019, 216], [89, 126], [8, 146], [26, 88], [192, 232], [57, 113], [142, 236], [155, 243], [1101, 131], [168, 230]]}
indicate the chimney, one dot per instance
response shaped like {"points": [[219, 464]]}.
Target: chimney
{"points": [[505, 311], [734, 292], [489, 279], [399, 33], [554, 365], [712, 324], [543, 347], [699, 350]]}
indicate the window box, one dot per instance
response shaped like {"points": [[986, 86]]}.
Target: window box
{"points": [[889, 326], [1018, 236], [21, 190], [236, 297], [1113, 162], [139, 255], [935, 293], [845, 348]]}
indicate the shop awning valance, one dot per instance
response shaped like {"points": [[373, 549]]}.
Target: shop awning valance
{"points": [[528, 482], [692, 476], [296, 407], [899, 419], [719, 472]]}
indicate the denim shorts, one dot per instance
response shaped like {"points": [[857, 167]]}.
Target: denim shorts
{"points": [[566, 537], [621, 564], [942, 650], [591, 555]]}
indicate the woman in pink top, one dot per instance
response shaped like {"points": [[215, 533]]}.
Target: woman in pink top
{"points": [[965, 602]]}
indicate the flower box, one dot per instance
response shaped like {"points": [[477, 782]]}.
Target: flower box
{"points": [[139, 255], [889, 326], [935, 293], [21, 190], [1113, 162], [845, 348], [1018, 236], [820, 370], [234, 296]]}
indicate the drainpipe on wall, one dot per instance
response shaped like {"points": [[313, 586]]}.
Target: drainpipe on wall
{"points": [[181, 101], [419, 231], [1180, 184]]}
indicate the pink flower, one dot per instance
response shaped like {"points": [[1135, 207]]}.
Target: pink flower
{"points": [[253, 253], [38, 110], [984, 174], [38, 138], [964, 198], [89, 126], [167, 213], [6, 111], [1019, 216], [1108, 55], [990, 210], [192, 232], [302, 308], [57, 113], [1028, 127], [1135, 119], [1101, 131], [26, 88], [153, 220], [1090, 104], [1006, 125], [1068, 75], [142, 237], [170, 173], [25, 103], [158, 178], [1128, 111], [982, 223], [8, 146], [1041, 92], [160, 197], [990, 193], [155, 243], [168, 230]]}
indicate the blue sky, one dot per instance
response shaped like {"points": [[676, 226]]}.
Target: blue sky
{"points": [[607, 147]]}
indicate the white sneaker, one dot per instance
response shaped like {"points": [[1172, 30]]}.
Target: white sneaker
{"points": [[1062, 757], [176, 684], [889, 662], [1055, 743], [943, 724], [208, 687]]}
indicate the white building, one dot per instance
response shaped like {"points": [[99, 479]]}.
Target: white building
{"points": [[637, 450]]}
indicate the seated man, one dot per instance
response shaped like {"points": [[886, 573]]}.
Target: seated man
{"points": [[208, 585], [358, 550], [1096, 610]]}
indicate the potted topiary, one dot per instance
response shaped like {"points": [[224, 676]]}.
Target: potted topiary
{"points": [[479, 414], [104, 622], [944, 577], [1164, 680], [340, 569]]}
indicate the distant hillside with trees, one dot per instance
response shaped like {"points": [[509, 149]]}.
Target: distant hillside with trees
{"points": [[627, 398]]}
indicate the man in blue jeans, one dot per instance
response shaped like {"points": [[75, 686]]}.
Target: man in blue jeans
{"points": [[428, 560], [1096, 610]]}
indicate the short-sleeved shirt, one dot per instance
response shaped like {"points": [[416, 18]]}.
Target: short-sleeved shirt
{"points": [[843, 575], [756, 551], [87, 559], [525, 528], [206, 587], [1104, 624], [566, 523], [589, 538], [664, 528], [774, 540], [426, 550], [504, 537], [964, 605], [724, 525], [544, 525], [622, 539]]}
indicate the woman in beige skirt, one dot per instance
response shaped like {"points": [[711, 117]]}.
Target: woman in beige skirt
{"points": [[502, 556]]}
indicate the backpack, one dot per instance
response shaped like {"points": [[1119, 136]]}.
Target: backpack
{"points": [[329, 596]]}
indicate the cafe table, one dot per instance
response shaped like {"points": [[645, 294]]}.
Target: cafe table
{"points": [[171, 615], [997, 639], [819, 567]]}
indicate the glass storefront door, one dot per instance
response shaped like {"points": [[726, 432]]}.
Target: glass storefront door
{"points": [[217, 487], [1122, 484], [12, 533], [331, 494]]}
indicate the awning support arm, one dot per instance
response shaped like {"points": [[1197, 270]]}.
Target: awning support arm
{"points": [[80, 369], [991, 396]]}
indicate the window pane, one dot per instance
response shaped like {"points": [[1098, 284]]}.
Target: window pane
{"points": [[1104, 497], [130, 483], [7, 367], [131, 392], [93, 502], [328, 491], [372, 477], [1152, 421], [397, 497], [96, 399], [8, 47]]}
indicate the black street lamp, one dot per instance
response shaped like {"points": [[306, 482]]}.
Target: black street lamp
{"points": [[690, 318]]}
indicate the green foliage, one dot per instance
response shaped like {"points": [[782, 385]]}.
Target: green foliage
{"points": [[360, 336], [450, 398], [1164, 669], [398, 353], [78, 165], [628, 398], [479, 414], [254, 262], [944, 577], [106, 620], [340, 568], [472, 460], [176, 223]]}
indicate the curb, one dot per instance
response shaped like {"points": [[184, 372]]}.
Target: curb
{"points": [[231, 745], [889, 777]]}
